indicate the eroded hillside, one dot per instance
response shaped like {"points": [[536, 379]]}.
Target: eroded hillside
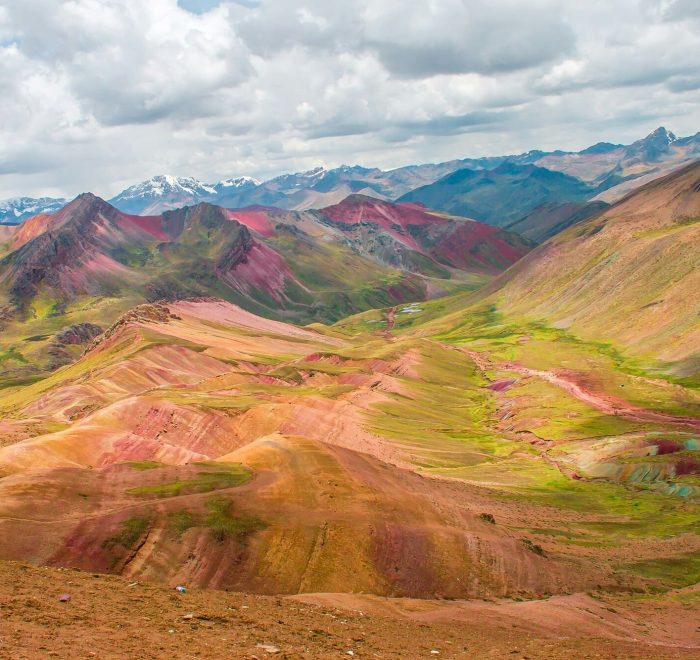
{"points": [[195, 442]]}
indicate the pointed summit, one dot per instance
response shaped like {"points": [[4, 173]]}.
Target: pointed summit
{"points": [[661, 134], [88, 198], [82, 209], [653, 147]]}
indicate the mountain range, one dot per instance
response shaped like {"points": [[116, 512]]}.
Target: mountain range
{"points": [[18, 209], [89, 261], [188, 427], [500, 196], [603, 172], [163, 193], [384, 409], [299, 191]]}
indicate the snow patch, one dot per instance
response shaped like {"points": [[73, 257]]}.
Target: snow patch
{"points": [[238, 182]]}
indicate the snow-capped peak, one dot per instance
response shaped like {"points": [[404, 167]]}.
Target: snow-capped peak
{"points": [[163, 192], [17, 209], [352, 169], [238, 182], [310, 177], [166, 185], [661, 134], [301, 179]]}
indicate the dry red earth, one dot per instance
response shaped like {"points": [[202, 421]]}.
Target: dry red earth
{"points": [[113, 617]]}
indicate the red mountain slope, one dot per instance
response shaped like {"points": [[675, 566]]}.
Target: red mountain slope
{"points": [[451, 241]]}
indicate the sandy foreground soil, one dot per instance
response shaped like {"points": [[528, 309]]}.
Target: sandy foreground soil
{"points": [[110, 617]]}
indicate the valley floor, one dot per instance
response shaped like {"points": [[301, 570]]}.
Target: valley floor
{"points": [[112, 617]]}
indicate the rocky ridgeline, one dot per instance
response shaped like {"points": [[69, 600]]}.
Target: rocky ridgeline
{"points": [[147, 313], [80, 333]]}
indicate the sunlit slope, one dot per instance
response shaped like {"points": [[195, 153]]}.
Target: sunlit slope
{"points": [[198, 443], [154, 420], [630, 276]]}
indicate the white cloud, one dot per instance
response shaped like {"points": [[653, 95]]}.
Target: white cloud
{"points": [[453, 36], [99, 93]]}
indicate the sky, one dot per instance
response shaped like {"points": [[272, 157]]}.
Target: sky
{"points": [[98, 94]]}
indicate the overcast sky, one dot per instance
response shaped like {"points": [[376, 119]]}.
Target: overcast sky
{"points": [[98, 94]]}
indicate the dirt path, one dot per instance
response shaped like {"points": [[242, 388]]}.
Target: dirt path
{"points": [[605, 403], [390, 322]]}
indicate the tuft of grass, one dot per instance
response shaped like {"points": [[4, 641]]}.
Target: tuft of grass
{"points": [[180, 521], [144, 465], [11, 353], [220, 476], [132, 529], [171, 489], [224, 526], [672, 572]]}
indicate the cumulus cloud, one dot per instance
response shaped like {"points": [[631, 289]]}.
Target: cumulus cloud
{"points": [[132, 62], [451, 36], [99, 93]]}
